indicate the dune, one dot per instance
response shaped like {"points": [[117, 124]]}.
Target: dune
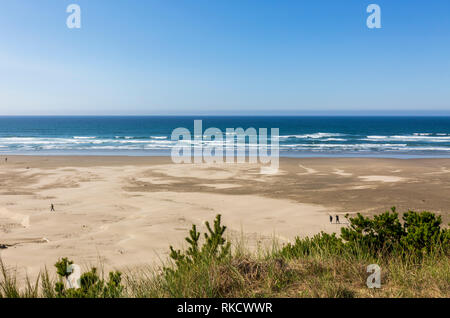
{"points": [[126, 211]]}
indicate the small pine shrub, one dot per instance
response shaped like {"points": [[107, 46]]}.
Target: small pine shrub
{"points": [[215, 247], [199, 263]]}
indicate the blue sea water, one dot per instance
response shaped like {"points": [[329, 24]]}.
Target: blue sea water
{"points": [[402, 137]]}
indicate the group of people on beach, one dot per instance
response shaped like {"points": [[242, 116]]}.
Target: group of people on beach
{"points": [[337, 219]]}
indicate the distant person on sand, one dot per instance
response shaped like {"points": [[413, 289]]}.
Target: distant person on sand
{"points": [[6, 159], [337, 219], [52, 208], [331, 219]]}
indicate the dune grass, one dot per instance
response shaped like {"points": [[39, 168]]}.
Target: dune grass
{"points": [[414, 257]]}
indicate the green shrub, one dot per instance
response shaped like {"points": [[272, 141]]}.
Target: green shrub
{"points": [[380, 234], [423, 232]]}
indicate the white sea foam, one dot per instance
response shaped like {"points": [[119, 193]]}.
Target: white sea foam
{"points": [[410, 138], [377, 137], [318, 135], [158, 137], [317, 142], [334, 139]]}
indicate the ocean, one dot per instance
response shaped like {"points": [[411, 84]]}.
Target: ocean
{"points": [[300, 136]]}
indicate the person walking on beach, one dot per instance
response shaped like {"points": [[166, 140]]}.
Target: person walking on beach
{"points": [[337, 219], [331, 219], [52, 208], [6, 160]]}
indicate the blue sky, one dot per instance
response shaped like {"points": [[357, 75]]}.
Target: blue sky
{"points": [[134, 57]]}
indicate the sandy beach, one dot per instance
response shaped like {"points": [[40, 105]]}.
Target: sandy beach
{"points": [[124, 212]]}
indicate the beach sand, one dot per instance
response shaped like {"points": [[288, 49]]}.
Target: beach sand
{"points": [[124, 212]]}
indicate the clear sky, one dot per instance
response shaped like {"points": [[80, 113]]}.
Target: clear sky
{"points": [[135, 57]]}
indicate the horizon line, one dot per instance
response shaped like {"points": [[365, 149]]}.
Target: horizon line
{"points": [[443, 114]]}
